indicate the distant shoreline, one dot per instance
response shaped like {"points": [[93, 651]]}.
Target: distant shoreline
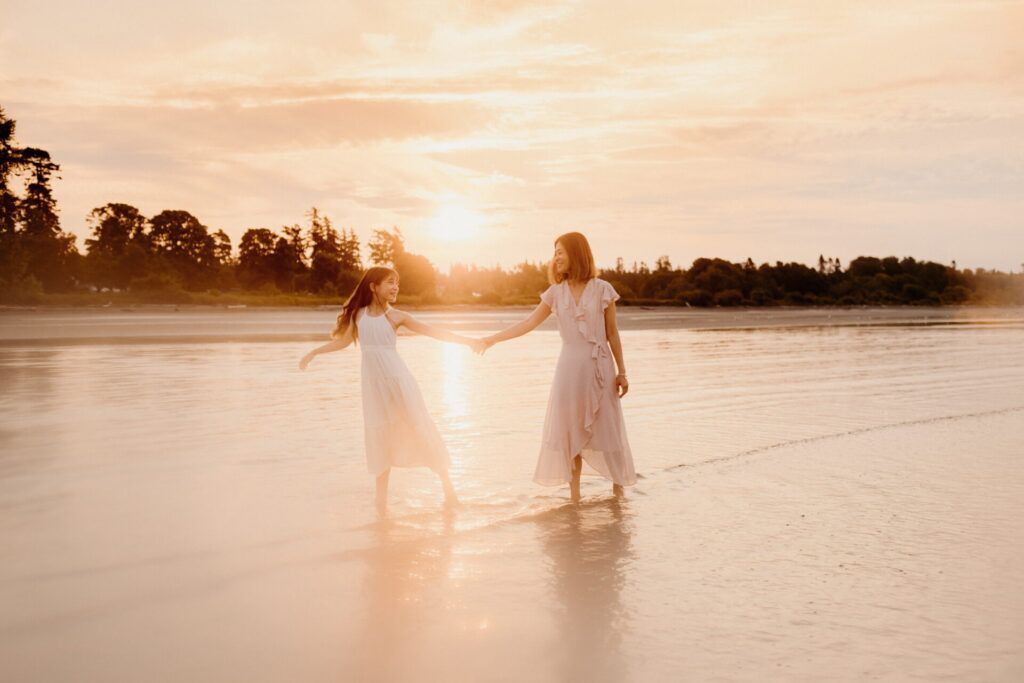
{"points": [[623, 304], [207, 324]]}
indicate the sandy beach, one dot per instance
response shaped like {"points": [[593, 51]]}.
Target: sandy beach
{"points": [[790, 232], [818, 502]]}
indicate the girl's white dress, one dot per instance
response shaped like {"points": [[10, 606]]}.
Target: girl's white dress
{"points": [[584, 414], [398, 429]]}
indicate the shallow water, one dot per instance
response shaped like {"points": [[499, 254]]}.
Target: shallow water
{"points": [[188, 509]]}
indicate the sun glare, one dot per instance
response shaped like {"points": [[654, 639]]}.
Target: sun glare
{"points": [[455, 223]]}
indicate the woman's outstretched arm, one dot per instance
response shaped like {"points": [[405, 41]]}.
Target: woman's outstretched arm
{"points": [[611, 328], [333, 345], [403, 319], [527, 324]]}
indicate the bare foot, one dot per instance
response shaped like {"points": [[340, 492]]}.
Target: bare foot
{"points": [[574, 491], [618, 491]]}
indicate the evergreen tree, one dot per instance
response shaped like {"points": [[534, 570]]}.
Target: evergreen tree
{"points": [[326, 248], [51, 255], [11, 163], [13, 265], [386, 246], [348, 256], [37, 211], [322, 237]]}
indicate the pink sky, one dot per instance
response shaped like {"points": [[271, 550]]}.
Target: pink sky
{"points": [[485, 129]]}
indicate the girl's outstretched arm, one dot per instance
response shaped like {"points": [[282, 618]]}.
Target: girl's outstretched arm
{"points": [[527, 324], [403, 319], [611, 327], [333, 345]]}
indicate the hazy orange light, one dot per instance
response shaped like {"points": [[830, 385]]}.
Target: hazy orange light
{"points": [[454, 223]]}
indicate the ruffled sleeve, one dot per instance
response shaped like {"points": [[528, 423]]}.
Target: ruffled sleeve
{"points": [[549, 296], [608, 294]]}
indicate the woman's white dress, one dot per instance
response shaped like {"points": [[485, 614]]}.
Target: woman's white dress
{"points": [[398, 429], [584, 415]]}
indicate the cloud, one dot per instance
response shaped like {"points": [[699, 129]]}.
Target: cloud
{"points": [[307, 124], [763, 126]]}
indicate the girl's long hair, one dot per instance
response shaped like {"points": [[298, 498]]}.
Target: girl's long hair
{"points": [[581, 259], [361, 297]]}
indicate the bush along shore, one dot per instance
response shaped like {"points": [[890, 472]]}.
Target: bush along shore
{"points": [[707, 283]]}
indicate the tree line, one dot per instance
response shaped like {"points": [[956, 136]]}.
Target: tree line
{"points": [[172, 256]]}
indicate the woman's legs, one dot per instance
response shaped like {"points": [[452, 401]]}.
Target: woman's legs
{"points": [[382, 493], [574, 485]]}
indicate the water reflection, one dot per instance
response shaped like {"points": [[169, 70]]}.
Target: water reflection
{"points": [[30, 383], [589, 548], [114, 454], [406, 572], [453, 384]]}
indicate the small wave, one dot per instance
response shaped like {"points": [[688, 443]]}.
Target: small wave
{"points": [[839, 435]]}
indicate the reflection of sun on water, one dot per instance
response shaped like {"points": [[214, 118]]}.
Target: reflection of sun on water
{"points": [[453, 387], [453, 390]]}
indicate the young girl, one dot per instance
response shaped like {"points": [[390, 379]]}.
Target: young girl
{"points": [[399, 431], [584, 418]]}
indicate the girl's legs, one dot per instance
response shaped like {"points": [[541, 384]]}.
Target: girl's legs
{"points": [[574, 485], [382, 493], [449, 491], [617, 490]]}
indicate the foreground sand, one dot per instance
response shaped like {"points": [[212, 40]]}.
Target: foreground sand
{"points": [[894, 555], [819, 502], [890, 554]]}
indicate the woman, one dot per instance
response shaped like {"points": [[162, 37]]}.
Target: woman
{"points": [[584, 422]]}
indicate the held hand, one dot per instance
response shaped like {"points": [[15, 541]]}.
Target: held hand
{"points": [[478, 346], [622, 385], [305, 360]]}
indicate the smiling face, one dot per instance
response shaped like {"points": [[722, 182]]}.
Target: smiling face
{"points": [[560, 258], [387, 290], [572, 259]]}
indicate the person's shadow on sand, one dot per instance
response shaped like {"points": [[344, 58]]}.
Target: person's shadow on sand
{"points": [[588, 546]]}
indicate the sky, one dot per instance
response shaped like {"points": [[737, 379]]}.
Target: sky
{"points": [[484, 129]]}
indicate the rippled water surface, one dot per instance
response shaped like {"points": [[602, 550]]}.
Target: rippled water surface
{"points": [[820, 500]]}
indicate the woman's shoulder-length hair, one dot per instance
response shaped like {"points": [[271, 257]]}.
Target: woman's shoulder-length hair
{"points": [[581, 259]]}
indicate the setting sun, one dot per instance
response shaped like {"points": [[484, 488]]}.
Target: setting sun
{"points": [[455, 223]]}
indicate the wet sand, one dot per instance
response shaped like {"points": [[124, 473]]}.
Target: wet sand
{"points": [[889, 555], [818, 502]]}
